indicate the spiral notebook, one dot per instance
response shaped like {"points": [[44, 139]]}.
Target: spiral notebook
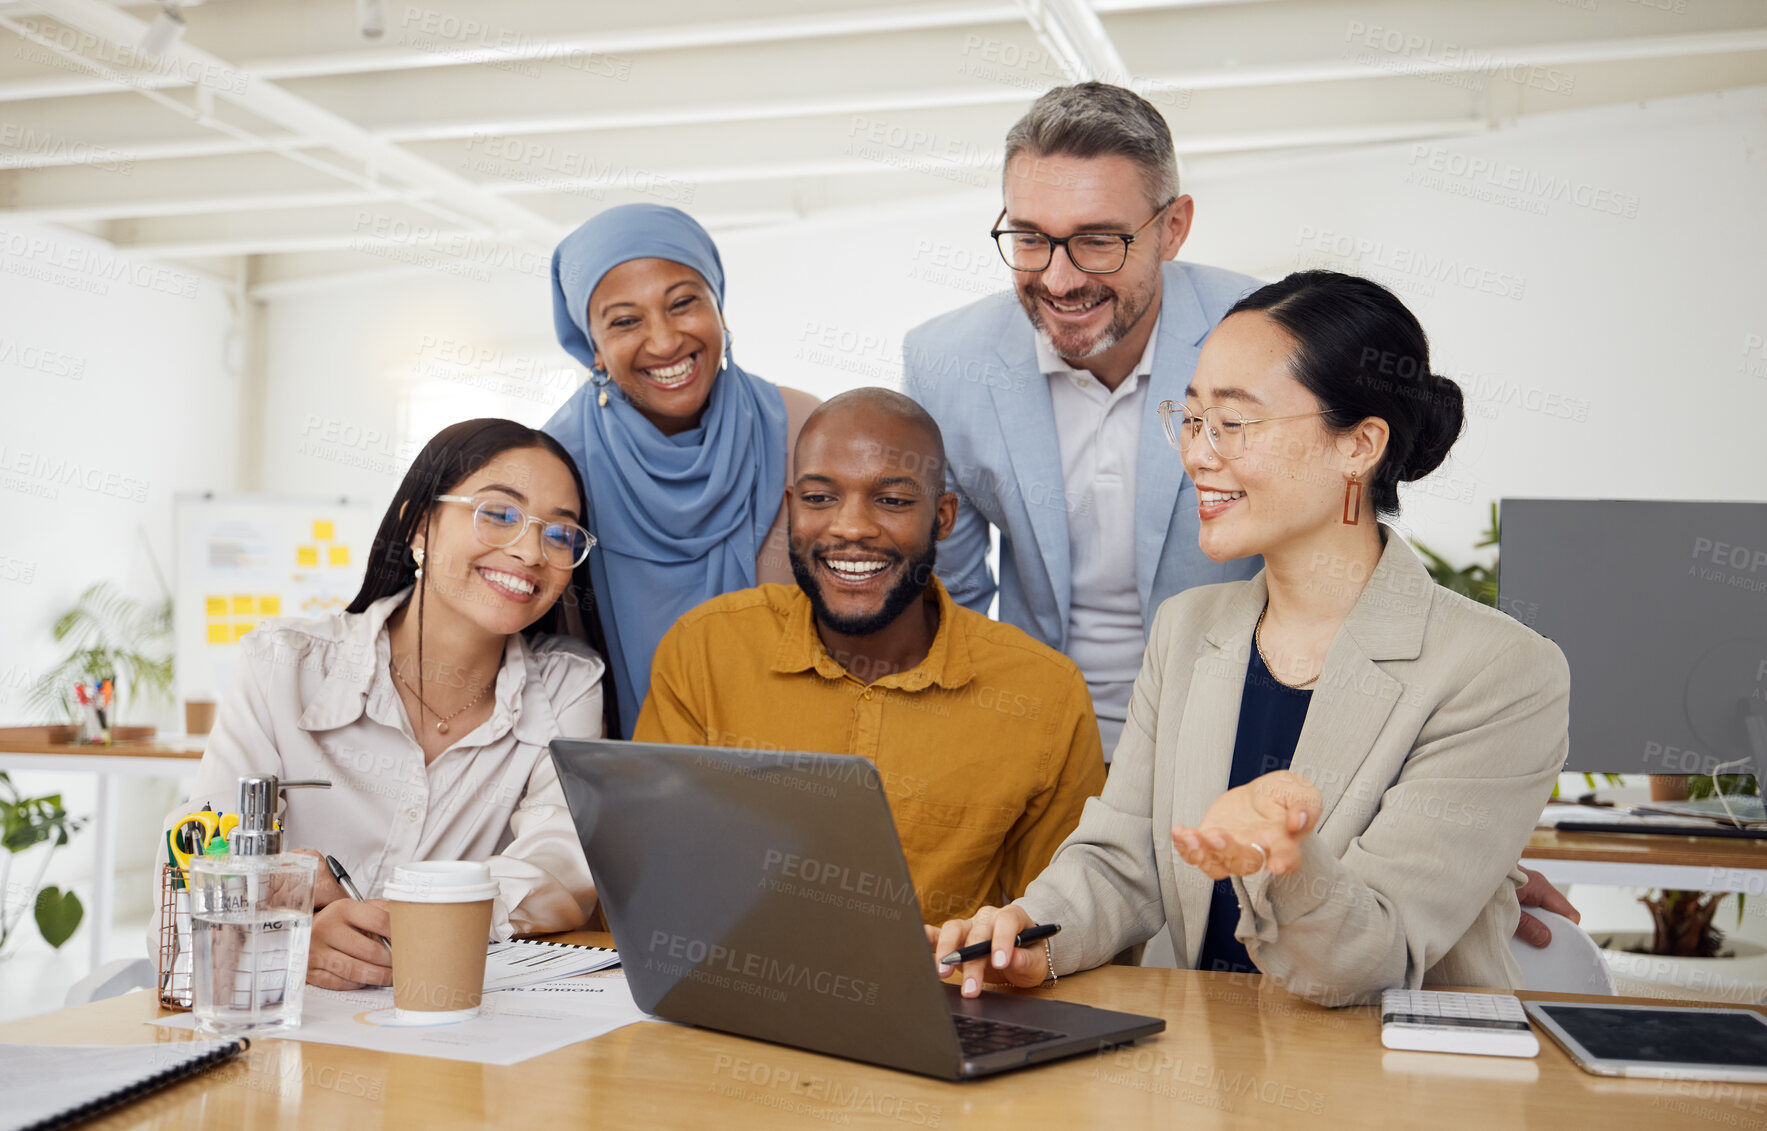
{"points": [[59, 1085]]}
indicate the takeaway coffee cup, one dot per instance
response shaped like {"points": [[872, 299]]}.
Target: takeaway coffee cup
{"points": [[199, 715], [441, 912]]}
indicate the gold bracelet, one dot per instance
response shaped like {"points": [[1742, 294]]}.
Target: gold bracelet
{"points": [[1049, 956]]}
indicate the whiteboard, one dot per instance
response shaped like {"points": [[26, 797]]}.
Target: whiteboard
{"points": [[242, 559]]}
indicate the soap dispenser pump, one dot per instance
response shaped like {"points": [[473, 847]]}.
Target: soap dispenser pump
{"points": [[257, 833]]}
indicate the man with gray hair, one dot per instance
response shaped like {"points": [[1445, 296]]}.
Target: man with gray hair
{"points": [[1049, 416], [1048, 404]]}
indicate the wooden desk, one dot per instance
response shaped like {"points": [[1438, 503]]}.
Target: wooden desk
{"points": [[1234, 1054], [174, 756], [1696, 863]]}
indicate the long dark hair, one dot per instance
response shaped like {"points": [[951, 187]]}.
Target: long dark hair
{"points": [[1362, 353], [453, 454]]}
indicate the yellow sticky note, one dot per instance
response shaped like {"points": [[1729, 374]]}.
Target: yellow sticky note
{"points": [[217, 606], [307, 555], [339, 555], [322, 530], [220, 633], [240, 630], [242, 605], [270, 606]]}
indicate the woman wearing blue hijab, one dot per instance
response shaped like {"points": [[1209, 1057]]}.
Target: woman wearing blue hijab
{"points": [[684, 454]]}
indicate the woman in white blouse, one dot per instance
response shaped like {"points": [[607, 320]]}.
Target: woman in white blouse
{"points": [[428, 704]]}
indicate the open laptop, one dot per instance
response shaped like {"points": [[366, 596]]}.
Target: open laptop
{"points": [[765, 894]]}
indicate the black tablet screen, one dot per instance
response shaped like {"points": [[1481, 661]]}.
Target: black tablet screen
{"points": [[1666, 1035]]}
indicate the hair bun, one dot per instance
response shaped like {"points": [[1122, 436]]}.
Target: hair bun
{"points": [[1438, 429]]}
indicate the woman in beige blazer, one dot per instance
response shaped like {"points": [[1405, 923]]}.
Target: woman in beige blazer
{"points": [[1328, 771]]}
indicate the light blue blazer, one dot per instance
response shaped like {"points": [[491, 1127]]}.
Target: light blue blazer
{"points": [[975, 369]]}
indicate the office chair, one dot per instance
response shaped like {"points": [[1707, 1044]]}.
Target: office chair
{"points": [[1571, 963]]}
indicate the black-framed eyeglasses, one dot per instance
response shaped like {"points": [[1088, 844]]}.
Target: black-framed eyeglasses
{"points": [[499, 523], [1096, 253], [1225, 428]]}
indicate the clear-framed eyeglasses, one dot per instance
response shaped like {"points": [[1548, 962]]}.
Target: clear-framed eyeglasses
{"points": [[1095, 253], [499, 523], [1225, 427]]}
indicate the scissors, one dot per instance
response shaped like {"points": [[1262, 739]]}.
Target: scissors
{"points": [[191, 833]]}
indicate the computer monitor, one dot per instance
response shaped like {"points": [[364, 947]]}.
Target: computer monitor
{"points": [[1661, 609]]}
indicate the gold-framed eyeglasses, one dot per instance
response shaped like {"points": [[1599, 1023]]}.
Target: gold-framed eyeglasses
{"points": [[1095, 253], [1225, 428], [500, 523]]}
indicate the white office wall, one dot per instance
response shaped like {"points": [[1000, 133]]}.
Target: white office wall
{"points": [[355, 371], [121, 384], [1593, 279]]}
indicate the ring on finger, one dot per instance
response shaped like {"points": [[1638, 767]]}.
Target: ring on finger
{"points": [[1263, 855]]}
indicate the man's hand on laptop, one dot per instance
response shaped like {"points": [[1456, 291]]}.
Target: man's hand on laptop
{"points": [[1026, 966]]}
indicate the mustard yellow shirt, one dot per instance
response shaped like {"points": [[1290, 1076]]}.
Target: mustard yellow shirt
{"points": [[987, 750]]}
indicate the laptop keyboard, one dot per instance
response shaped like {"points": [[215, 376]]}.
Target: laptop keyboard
{"points": [[980, 1036]]}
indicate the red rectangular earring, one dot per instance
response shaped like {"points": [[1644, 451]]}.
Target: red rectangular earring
{"points": [[1353, 500]]}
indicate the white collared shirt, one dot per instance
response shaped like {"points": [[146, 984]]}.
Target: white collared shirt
{"points": [[314, 698], [1098, 433]]}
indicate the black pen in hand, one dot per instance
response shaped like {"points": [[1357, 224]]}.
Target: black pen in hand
{"points": [[349, 886], [981, 949]]}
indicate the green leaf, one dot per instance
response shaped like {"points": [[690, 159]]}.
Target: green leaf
{"points": [[58, 915], [23, 835]]}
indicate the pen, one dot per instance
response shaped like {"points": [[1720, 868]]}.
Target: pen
{"points": [[343, 879], [349, 886], [981, 949]]}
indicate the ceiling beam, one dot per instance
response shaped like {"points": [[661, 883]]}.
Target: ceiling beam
{"points": [[289, 42], [312, 39], [959, 146], [122, 33], [54, 182], [945, 69], [1073, 33]]}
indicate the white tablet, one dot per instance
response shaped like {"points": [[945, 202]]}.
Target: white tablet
{"points": [[1659, 1041]]}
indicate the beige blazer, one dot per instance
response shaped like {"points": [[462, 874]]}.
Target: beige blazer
{"points": [[1436, 731]]}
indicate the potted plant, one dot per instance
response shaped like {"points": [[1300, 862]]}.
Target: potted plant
{"points": [[1476, 580], [109, 636], [25, 824]]}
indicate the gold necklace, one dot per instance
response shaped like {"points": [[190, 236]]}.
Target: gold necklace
{"points": [[1257, 642], [442, 720]]}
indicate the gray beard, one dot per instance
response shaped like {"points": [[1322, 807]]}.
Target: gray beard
{"points": [[1111, 336], [1119, 327]]}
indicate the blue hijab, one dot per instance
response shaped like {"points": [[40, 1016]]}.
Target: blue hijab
{"points": [[678, 519]]}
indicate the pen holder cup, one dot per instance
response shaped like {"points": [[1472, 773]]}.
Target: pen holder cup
{"points": [[172, 977]]}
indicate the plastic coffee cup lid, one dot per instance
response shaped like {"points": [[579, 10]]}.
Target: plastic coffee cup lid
{"points": [[441, 881]]}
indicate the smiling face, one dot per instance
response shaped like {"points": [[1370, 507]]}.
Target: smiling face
{"points": [[1290, 481], [501, 589], [657, 331], [1084, 315], [866, 511]]}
